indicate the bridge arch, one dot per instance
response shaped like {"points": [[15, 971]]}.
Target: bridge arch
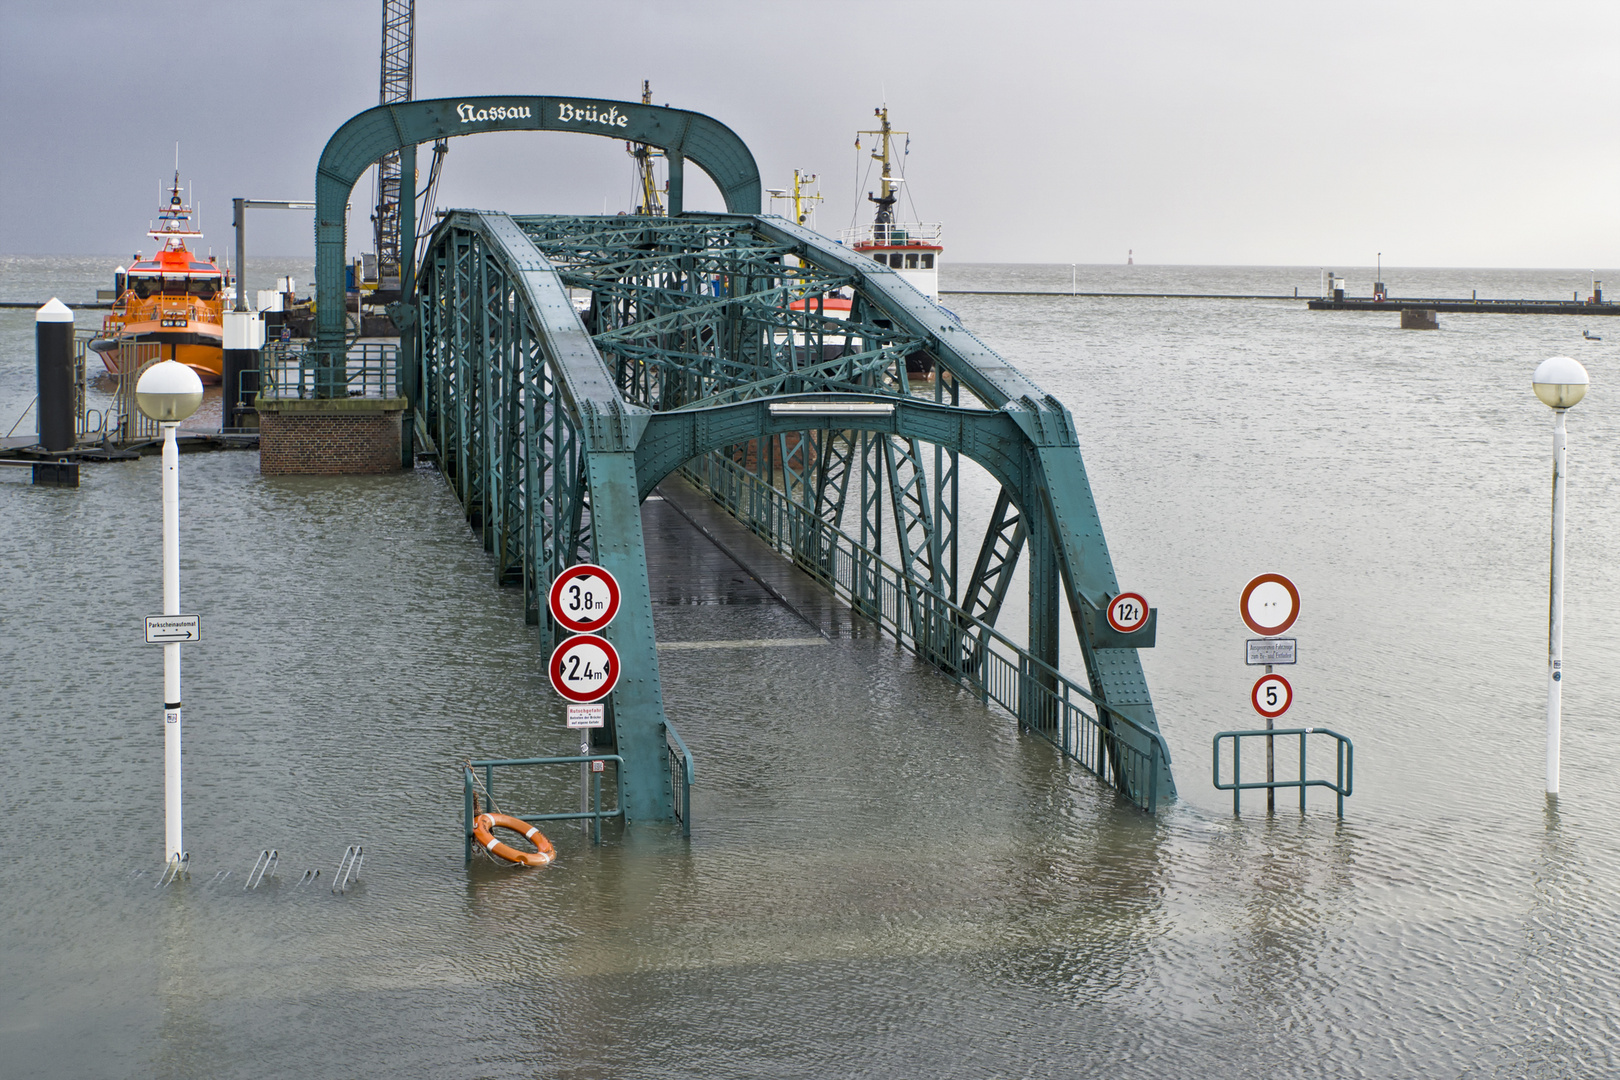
{"points": [[362, 139]]}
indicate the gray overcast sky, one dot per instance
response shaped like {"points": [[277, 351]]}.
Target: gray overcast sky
{"points": [[1442, 134]]}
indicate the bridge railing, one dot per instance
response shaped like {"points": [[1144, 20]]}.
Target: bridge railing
{"points": [[472, 783], [679, 763], [1102, 740]]}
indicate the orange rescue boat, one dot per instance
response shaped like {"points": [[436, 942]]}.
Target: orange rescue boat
{"points": [[175, 299]]}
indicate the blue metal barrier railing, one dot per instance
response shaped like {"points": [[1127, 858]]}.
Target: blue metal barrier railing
{"points": [[1046, 703], [470, 782], [1342, 783], [679, 763]]}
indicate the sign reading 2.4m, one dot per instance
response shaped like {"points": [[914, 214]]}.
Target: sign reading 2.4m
{"points": [[584, 598], [584, 668]]}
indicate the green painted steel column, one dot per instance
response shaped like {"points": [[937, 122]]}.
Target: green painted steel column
{"points": [[677, 183], [1045, 598], [1116, 674], [638, 704]]}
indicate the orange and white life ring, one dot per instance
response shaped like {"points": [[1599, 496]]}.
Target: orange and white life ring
{"points": [[483, 831]]}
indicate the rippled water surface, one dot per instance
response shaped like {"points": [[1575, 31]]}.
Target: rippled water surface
{"points": [[883, 879]]}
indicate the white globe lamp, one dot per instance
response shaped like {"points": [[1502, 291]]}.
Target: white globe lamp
{"points": [[1560, 381], [169, 392]]}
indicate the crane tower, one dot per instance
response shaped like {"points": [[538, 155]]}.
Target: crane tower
{"points": [[398, 70]]}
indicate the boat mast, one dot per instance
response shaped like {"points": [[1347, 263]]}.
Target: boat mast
{"points": [[802, 195], [652, 203], [885, 201]]}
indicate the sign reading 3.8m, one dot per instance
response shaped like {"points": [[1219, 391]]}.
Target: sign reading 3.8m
{"points": [[584, 598]]}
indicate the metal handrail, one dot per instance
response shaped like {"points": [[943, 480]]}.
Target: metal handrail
{"points": [[678, 754], [1045, 701], [469, 780], [1342, 784], [898, 232], [295, 371]]}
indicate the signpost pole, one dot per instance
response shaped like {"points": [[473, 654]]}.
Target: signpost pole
{"points": [[168, 393], [584, 599], [584, 779], [1560, 382], [1555, 608], [173, 849], [1271, 764], [1269, 605]]}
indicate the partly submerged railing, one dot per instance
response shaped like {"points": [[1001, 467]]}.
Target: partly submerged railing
{"points": [[1342, 783], [1046, 703], [679, 763], [471, 784]]}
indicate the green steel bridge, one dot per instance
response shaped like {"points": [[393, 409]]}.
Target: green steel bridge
{"points": [[705, 349]]}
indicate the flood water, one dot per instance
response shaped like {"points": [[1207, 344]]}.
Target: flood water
{"points": [[883, 879]]}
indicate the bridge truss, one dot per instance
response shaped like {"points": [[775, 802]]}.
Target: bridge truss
{"points": [[705, 345]]}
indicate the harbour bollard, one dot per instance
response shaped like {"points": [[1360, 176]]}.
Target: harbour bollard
{"points": [[53, 350]]}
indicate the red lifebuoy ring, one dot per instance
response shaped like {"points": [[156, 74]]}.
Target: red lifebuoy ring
{"points": [[483, 831]]}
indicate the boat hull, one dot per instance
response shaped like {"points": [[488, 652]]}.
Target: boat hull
{"points": [[202, 353]]}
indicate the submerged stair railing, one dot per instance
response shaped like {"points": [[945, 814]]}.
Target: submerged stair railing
{"points": [[177, 867], [264, 866], [348, 871]]}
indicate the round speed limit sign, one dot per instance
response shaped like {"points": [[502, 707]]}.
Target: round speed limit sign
{"points": [[1128, 612], [1271, 696], [584, 668], [584, 598]]}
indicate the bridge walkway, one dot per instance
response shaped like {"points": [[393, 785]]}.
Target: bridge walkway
{"points": [[795, 707]]}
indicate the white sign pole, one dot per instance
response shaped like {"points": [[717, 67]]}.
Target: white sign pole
{"points": [[1271, 763], [1555, 621], [173, 848], [584, 780], [1269, 605]]}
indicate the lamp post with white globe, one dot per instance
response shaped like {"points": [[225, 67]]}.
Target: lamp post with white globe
{"points": [[169, 392], [1560, 382]]}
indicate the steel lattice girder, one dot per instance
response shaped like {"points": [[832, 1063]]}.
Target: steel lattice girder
{"points": [[656, 266], [692, 315]]}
